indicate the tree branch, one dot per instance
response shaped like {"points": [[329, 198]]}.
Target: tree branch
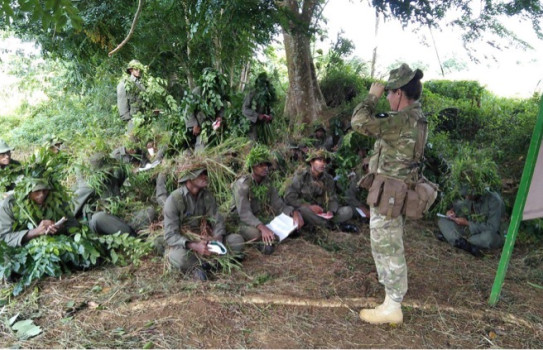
{"points": [[134, 22]]}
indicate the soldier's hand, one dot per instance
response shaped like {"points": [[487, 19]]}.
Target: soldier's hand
{"points": [[377, 89], [199, 247], [45, 227], [316, 209], [267, 235], [461, 221], [298, 219], [451, 213], [196, 130]]}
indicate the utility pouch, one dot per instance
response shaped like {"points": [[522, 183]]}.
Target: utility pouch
{"points": [[366, 181], [387, 195], [420, 198]]}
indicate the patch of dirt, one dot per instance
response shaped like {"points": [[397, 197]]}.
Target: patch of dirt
{"points": [[306, 295]]}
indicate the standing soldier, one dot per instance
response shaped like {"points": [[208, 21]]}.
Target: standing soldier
{"points": [[129, 102], [313, 193], [192, 220], [400, 134], [257, 106], [257, 201]]}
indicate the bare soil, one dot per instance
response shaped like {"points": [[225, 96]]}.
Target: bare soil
{"points": [[306, 295]]}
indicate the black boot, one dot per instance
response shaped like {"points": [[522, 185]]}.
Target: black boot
{"points": [[468, 247], [439, 236], [350, 228]]}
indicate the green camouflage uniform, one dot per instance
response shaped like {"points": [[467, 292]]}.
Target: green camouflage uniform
{"points": [[304, 189], [184, 212], [129, 103], [8, 222], [252, 211], [484, 215], [393, 156]]}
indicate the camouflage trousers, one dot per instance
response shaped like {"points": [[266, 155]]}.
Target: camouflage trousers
{"points": [[388, 253]]}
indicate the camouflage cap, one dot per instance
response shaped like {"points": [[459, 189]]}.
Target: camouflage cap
{"points": [[4, 147], [134, 64], [401, 76], [316, 153], [259, 154], [40, 184], [191, 172]]}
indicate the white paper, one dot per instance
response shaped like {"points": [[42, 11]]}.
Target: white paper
{"points": [[282, 225], [439, 215], [361, 212], [150, 165]]}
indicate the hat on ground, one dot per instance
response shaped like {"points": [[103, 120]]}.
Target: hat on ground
{"points": [[401, 76]]}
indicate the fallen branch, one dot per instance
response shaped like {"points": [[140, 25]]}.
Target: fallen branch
{"points": [[138, 12], [286, 300]]}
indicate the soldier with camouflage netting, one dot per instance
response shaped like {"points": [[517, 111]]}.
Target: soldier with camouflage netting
{"points": [[395, 163], [257, 106], [192, 220], [257, 201], [34, 209], [10, 170], [129, 102], [313, 192]]}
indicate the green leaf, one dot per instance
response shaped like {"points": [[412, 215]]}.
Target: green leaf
{"points": [[26, 329], [149, 345], [114, 257]]}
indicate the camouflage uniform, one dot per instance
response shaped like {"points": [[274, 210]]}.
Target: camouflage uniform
{"points": [[305, 189], [484, 215], [252, 211], [129, 103], [7, 223], [393, 156], [183, 212], [326, 142]]}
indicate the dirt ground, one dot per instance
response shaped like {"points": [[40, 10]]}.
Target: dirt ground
{"points": [[306, 295]]}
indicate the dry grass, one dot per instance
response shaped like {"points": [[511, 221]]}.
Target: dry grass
{"points": [[305, 295]]}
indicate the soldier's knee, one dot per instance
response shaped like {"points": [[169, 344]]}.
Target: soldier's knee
{"points": [[235, 242]]}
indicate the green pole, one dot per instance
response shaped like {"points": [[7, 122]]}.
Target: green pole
{"points": [[518, 209]]}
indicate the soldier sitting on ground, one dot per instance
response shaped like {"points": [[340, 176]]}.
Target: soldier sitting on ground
{"points": [[32, 215], [474, 223], [192, 220], [312, 192], [258, 202], [319, 138]]}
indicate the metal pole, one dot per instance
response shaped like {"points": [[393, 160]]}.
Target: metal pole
{"points": [[518, 209]]}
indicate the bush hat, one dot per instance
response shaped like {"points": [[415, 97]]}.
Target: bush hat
{"points": [[191, 172], [259, 154], [40, 184], [134, 64], [4, 147], [401, 76], [316, 154]]}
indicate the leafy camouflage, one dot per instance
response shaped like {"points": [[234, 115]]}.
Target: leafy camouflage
{"points": [[134, 64], [259, 154], [318, 153]]}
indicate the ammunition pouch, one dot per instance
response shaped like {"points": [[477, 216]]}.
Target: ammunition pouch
{"points": [[366, 181], [420, 197], [387, 195]]}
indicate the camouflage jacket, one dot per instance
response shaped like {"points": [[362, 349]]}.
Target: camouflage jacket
{"points": [[396, 133], [8, 223], [183, 211], [253, 210], [304, 189], [484, 213], [128, 100]]}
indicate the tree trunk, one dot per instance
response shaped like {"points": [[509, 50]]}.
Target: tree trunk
{"points": [[304, 100]]}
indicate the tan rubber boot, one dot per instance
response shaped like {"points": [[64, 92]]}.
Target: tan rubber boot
{"points": [[389, 311]]}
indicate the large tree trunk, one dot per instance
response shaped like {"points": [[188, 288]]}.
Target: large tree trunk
{"points": [[304, 100]]}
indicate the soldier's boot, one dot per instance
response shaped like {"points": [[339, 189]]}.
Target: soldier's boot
{"points": [[389, 311], [468, 247]]}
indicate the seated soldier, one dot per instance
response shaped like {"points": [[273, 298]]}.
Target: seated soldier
{"points": [[474, 223], [108, 179], [257, 201], [320, 140], [18, 223], [192, 220], [10, 170], [313, 193]]}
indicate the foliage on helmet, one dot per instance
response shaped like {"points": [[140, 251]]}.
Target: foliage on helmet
{"points": [[258, 154]]}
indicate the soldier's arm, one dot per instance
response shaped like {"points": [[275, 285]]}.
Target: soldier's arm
{"points": [[332, 204], [122, 102], [247, 111], [212, 212], [351, 193], [174, 210], [292, 195], [243, 205], [12, 238], [493, 217], [364, 120], [278, 204]]}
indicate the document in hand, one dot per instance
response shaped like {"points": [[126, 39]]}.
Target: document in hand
{"points": [[282, 225], [361, 212]]}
